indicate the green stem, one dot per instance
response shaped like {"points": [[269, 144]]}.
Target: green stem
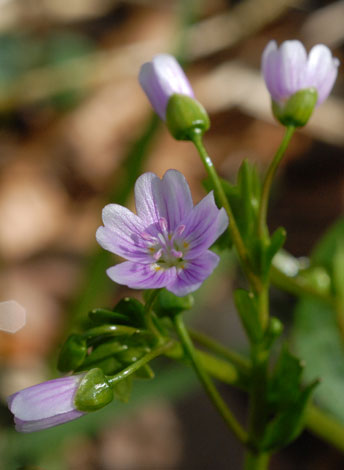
{"points": [[298, 286], [326, 427], [233, 228], [207, 383], [256, 462], [149, 314], [232, 356], [264, 201], [141, 362]]}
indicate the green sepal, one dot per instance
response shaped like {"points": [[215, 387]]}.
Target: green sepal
{"points": [[167, 304], [72, 354], [122, 389], [94, 392], [185, 116], [297, 110], [246, 304]]}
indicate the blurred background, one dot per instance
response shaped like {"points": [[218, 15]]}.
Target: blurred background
{"points": [[76, 131]]}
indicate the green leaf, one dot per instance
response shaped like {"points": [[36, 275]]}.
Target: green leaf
{"points": [[288, 424], [244, 199], [246, 305], [122, 389], [284, 386], [72, 354], [168, 304], [316, 334]]}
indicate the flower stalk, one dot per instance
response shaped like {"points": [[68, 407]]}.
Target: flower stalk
{"points": [[207, 383], [232, 227]]}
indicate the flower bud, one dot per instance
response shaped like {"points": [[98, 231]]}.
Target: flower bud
{"points": [[184, 116], [94, 392], [72, 353], [297, 110], [297, 80]]}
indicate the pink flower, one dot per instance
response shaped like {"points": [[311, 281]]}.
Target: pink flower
{"points": [[167, 243], [287, 70]]}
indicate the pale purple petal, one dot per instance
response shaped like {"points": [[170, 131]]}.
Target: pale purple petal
{"points": [[122, 233], [160, 79], [149, 199], [287, 70], [322, 71], [46, 404], [38, 425], [141, 276], [204, 225], [177, 197], [196, 271], [293, 67]]}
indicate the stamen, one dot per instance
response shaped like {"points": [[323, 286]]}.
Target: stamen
{"points": [[148, 237], [180, 229], [162, 239], [158, 254], [163, 224], [177, 254]]}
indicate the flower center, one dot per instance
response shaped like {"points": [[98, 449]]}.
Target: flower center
{"points": [[167, 249]]}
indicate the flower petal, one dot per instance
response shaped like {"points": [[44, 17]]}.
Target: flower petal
{"points": [[322, 71], [149, 199], [177, 197], [45, 400], [203, 225], [122, 233], [37, 425], [284, 69], [196, 271], [141, 276], [160, 79]]}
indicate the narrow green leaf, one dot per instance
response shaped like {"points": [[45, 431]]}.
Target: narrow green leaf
{"points": [[247, 307]]}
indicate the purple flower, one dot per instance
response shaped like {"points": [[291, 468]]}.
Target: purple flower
{"points": [[288, 69], [162, 78], [166, 243], [45, 405]]}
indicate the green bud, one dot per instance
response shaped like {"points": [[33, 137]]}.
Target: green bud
{"points": [[72, 354], [168, 304], [273, 331], [318, 278], [94, 392], [297, 110], [184, 116]]}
